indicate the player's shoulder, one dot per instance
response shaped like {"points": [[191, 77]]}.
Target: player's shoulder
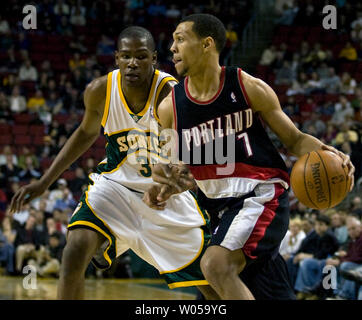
{"points": [[258, 91], [97, 85]]}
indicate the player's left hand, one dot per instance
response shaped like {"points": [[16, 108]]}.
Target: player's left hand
{"points": [[177, 176], [346, 162], [156, 196]]}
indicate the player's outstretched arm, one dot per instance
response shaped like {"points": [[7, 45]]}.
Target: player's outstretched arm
{"points": [[264, 101], [80, 141]]}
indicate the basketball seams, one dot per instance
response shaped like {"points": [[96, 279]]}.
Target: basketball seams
{"points": [[326, 171], [305, 183]]}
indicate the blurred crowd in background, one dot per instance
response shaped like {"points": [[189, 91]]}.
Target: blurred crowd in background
{"points": [[316, 73]]}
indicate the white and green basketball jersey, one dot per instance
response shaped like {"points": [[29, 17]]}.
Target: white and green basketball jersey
{"points": [[132, 139]]}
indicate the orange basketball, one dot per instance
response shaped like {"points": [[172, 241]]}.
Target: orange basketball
{"points": [[319, 181]]}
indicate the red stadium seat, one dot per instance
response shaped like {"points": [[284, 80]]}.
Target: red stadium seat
{"points": [[6, 139], [100, 142], [19, 129], [5, 129], [68, 175], [38, 140], [61, 118], [22, 140], [37, 130], [23, 118], [45, 163]]}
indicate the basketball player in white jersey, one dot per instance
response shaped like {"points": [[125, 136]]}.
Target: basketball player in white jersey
{"points": [[111, 216]]}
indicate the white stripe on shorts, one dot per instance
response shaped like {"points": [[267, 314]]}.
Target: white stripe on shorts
{"points": [[245, 221]]}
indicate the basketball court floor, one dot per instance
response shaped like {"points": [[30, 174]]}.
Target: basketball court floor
{"points": [[12, 288]]}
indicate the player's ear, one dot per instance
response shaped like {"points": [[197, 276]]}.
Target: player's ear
{"points": [[208, 43], [154, 57], [116, 55]]}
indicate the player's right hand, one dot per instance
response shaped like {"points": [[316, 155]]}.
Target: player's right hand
{"points": [[25, 194], [176, 176]]}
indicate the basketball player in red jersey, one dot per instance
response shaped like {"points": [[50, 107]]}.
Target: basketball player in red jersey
{"points": [[249, 204]]}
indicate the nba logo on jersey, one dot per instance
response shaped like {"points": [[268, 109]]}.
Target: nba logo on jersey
{"points": [[233, 97]]}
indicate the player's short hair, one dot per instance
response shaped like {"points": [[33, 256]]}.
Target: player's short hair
{"points": [[137, 32], [207, 25]]}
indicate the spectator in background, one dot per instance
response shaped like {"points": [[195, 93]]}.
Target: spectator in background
{"points": [[79, 181], [319, 125], [299, 85], [61, 8], [338, 227], [58, 217], [292, 239], [285, 75], [36, 102], [156, 9], [27, 243], [76, 62], [231, 43], [268, 56], [66, 201], [348, 53], [311, 257], [330, 133], [346, 134], [105, 46], [54, 104], [61, 192], [64, 28], [89, 165], [11, 65], [343, 111], [30, 171], [332, 83], [8, 171], [4, 26], [348, 84], [349, 260], [28, 72], [77, 44], [26, 152], [5, 112], [17, 101], [173, 12], [7, 249], [356, 102], [6, 151], [77, 17], [47, 69], [356, 207], [318, 244], [314, 84], [49, 261], [48, 149], [323, 71]]}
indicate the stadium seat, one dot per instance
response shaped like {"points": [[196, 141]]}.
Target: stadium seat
{"points": [[23, 118], [5, 128], [20, 129], [37, 130], [68, 175], [22, 140], [6, 139]]}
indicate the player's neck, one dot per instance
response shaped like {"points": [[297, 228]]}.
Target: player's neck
{"points": [[137, 96], [205, 83]]}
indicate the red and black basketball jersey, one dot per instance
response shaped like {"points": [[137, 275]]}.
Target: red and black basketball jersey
{"points": [[224, 142]]}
